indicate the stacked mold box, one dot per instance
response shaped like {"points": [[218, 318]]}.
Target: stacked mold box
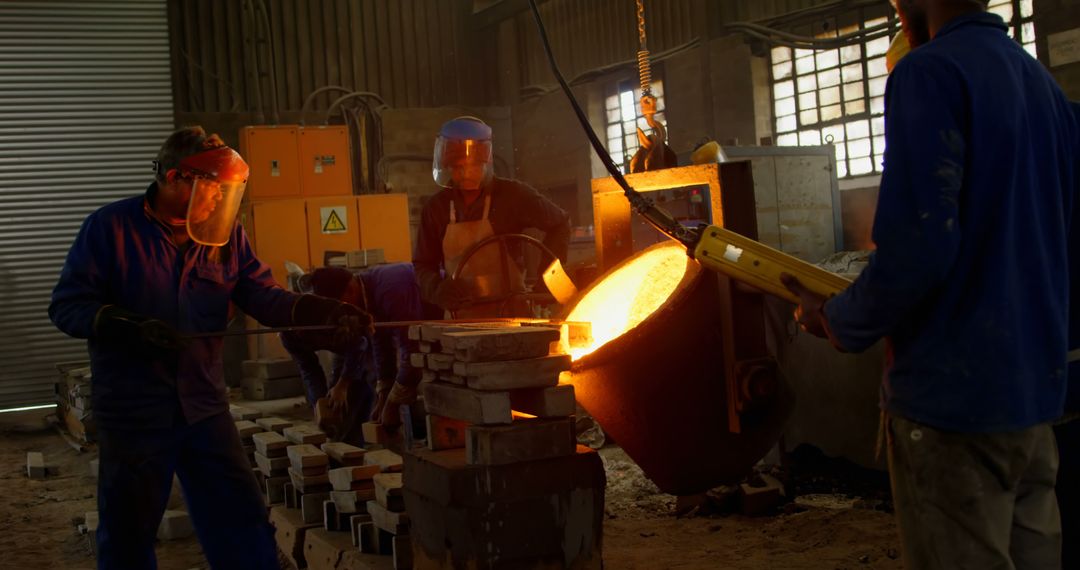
{"points": [[502, 482]]}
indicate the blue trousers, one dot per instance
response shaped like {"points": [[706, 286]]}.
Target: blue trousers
{"points": [[222, 495]]}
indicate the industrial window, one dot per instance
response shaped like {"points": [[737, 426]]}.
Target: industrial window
{"points": [[834, 96], [838, 96], [624, 116], [1020, 15]]}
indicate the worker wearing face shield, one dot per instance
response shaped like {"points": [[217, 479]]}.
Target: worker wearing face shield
{"points": [[474, 205], [969, 285], [143, 274]]}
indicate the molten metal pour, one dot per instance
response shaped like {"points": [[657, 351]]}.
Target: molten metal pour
{"points": [[628, 295]]}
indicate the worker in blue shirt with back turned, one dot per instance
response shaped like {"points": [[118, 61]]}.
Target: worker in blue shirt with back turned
{"points": [[369, 375], [969, 285], [1068, 429], [143, 274]]}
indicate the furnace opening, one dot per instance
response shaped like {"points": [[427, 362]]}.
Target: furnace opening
{"points": [[627, 295]]}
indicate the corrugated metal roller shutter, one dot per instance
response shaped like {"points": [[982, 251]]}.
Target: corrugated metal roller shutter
{"points": [[85, 101]]}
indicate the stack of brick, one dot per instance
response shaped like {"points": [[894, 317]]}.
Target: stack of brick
{"points": [[175, 525], [502, 483], [247, 430], [481, 378], [35, 465], [306, 487], [378, 437], [309, 475], [388, 529], [73, 400], [89, 529], [309, 483], [272, 461], [381, 526], [239, 413], [358, 258], [274, 424], [353, 516], [350, 482], [271, 379], [349, 471]]}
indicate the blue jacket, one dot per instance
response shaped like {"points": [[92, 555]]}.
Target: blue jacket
{"points": [[124, 256], [1072, 401], [970, 279], [393, 295]]}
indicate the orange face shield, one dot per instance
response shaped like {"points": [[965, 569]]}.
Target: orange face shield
{"points": [[219, 177]]}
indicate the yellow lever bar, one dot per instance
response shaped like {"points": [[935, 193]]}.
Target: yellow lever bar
{"points": [[759, 265]]}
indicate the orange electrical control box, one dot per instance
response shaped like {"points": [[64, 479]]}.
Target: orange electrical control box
{"points": [[273, 154], [280, 227], [384, 224], [325, 165], [332, 226]]}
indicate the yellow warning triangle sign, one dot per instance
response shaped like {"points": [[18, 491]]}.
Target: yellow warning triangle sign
{"points": [[333, 223]]}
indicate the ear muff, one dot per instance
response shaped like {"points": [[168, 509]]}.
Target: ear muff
{"points": [[897, 50]]}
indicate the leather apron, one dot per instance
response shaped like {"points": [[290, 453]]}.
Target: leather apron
{"points": [[485, 269]]}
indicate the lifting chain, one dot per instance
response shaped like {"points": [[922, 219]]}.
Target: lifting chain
{"points": [[644, 69]]}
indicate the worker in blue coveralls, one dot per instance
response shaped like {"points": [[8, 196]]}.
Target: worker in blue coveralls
{"points": [[1068, 429], [969, 285], [368, 376], [142, 274]]}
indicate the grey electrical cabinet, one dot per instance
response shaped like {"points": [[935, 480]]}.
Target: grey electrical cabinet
{"points": [[798, 198]]}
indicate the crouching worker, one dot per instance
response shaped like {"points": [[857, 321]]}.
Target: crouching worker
{"points": [[368, 365]]}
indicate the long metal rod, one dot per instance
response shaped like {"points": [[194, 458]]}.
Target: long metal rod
{"points": [[378, 325], [268, 330]]}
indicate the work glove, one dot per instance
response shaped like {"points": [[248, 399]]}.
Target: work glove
{"points": [[454, 293], [328, 418], [400, 395], [121, 327], [350, 321], [810, 314], [382, 390], [338, 397]]}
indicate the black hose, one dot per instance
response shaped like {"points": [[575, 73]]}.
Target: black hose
{"points": [[311, 97]]}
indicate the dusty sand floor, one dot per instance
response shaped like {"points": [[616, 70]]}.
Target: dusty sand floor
{"points": [[825, 532]]}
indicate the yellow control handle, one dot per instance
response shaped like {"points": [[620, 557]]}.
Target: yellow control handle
{"points": [[759, 265]]}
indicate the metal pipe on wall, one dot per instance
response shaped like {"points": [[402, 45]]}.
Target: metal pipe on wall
{"points": [[260, 7], [251, 59]]}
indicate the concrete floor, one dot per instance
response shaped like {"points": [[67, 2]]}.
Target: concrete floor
{"points": [[37, 530]]}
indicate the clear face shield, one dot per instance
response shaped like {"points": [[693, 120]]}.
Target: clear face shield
{"points": [[465, 164], [212, 210]]}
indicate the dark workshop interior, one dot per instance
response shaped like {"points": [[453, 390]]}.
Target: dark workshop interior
{"points": [[540, 284]]}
